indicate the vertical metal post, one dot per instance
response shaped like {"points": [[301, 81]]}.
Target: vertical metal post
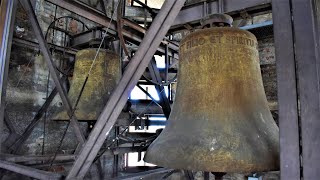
{"points": [[116, 156], [221, 6], [167, 63], [7, 17], [308, 66], [287, 91]]}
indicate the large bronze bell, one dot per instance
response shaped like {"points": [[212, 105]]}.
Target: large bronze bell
{"points": [[104, 77], [220, 121]]}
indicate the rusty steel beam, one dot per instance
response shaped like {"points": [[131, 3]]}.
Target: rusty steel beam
{"points": [[119, 97], [55, 76]]}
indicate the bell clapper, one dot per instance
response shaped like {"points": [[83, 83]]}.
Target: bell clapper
{"points": [[218, 175]]}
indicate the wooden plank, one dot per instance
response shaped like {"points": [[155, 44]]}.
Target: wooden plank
{"points": [[287, 92]]}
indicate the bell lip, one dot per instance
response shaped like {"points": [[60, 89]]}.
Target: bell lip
{"points": [[266, 169], [217, 29]]}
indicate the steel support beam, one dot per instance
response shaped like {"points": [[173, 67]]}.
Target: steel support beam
{"points": [[33, 45], [195, 12], [28, 171], [287, 91], [55, 76], [305, 18], [155, 75], [28, 159], [85, 11], [119, 97], [7, 17], [100, 18]]}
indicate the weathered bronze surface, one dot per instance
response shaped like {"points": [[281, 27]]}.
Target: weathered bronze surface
{"points": [[220, 121], [101, 82]]}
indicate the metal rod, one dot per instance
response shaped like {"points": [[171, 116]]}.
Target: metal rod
{"points": [[7, 17], [148, 94], [167, 63], [47, 56], [28, 171], [132, 74]]}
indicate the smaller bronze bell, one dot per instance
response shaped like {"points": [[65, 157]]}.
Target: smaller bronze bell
{"points": [[103, 79]]}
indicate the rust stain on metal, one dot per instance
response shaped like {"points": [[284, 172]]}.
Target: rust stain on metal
{"points": [[220, 120]]}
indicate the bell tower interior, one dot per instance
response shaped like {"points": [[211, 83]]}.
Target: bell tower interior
{"points": [[160, 89]]}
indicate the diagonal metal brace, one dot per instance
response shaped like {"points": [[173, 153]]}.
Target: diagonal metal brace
{"points": [[52, 67], [155, 75]]}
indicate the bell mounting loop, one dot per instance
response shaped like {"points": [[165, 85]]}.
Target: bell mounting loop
{"points": [[216, 20]]}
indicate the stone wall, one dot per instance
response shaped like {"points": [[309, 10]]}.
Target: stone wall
{"points": [[29, 84]]}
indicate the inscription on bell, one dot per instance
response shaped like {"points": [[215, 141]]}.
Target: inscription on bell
{"points": [[217, 39], [240, 41], [195, 42]]}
